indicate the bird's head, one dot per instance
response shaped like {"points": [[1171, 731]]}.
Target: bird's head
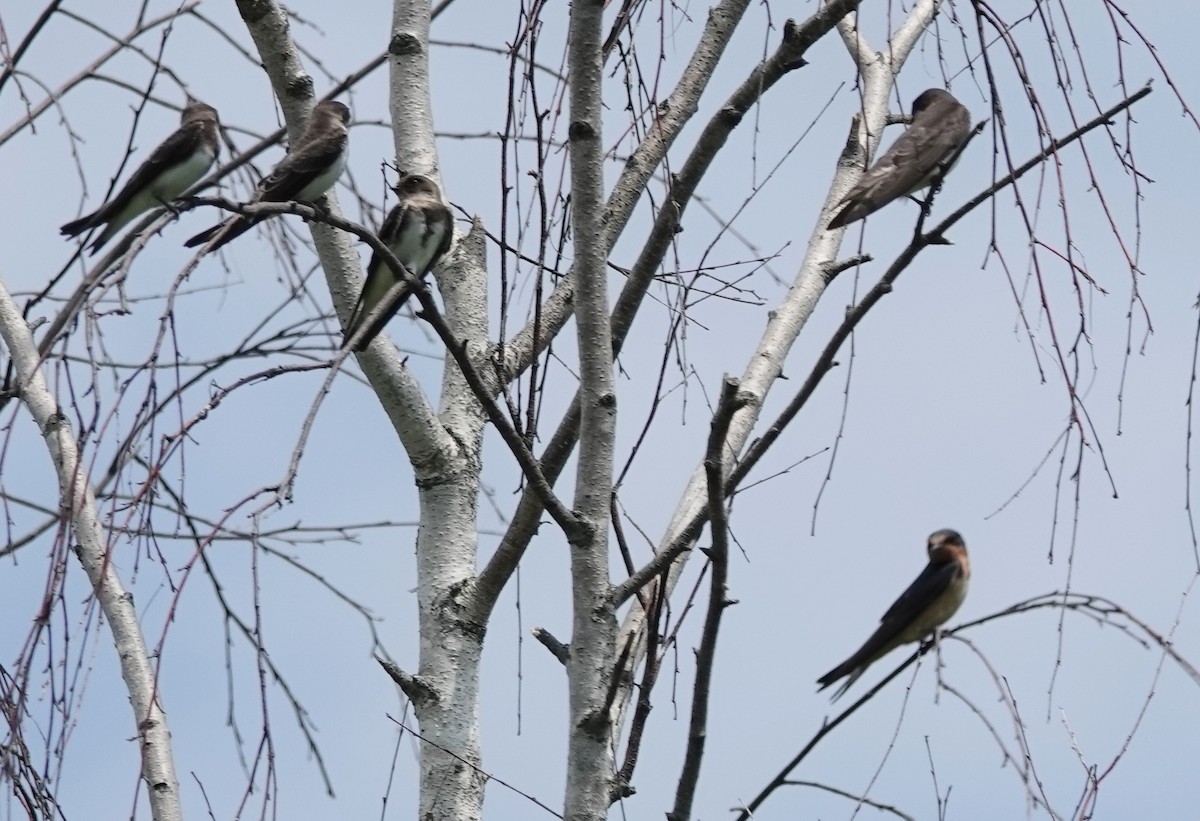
{"points": [[928, 98], [197, 112], [941, 541], [416, 185], [333, 110]]}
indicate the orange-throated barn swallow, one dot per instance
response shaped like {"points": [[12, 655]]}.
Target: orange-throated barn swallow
{"points": [[418, 231], [940, 126], [310, 168], [172, 168], [919, 611]]}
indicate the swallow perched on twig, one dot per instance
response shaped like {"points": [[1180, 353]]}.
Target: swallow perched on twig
{"points": [[921, 609], [418, 231], [310, 168], [172, 168], [940, 126]]}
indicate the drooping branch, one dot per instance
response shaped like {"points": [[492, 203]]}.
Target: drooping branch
{"points": [[826, 360], [92, 549], [1098, 609]]}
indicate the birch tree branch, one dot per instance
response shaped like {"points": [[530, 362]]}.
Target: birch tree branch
{"points": [[679, 108], [718, 600], [788, 56], [783, 328], [825, 361], [399, 393], [594, 624], [78, 505]]}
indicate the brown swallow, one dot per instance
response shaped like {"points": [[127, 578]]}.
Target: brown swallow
{"points": [[175, 166], [921, 609], [940, 126], [418, 231], [310, 168]]}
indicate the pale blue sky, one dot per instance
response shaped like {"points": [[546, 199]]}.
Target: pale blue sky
{"points": [[947, 416]]}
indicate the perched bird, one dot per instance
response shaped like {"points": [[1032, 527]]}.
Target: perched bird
{"points": [[172, 168], [310, 168], [418, 231], [921, 609], [940, 126]]}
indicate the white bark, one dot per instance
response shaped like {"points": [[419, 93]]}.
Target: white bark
{"points": [[78, 503], [444, 448], [450, 651], [412, 111], [451, 641], [447, 478], [594, 626]]}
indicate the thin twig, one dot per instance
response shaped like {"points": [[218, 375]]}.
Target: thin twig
{"points": [[714, 460]]}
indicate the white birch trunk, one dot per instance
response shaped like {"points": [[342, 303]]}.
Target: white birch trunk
{"points": [[78, 503]]}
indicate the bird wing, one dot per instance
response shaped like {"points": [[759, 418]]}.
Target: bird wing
{"points": [[900, 618], [934, 580], [172, 151], [908, 163], [447, 218], [905, 166], [380, 277], [299, 168], [176, 149], [293, 173]]}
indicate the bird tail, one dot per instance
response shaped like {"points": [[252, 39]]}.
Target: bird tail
{"points": [[845, 216], [94, 220], [76, 227], [848, 669], [362, 313], [228, 230], [108, 233]]}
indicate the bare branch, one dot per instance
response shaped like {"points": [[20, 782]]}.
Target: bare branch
{"points": [[92, 549], [417, 690], [718, 599], [560, 651], [788, 56]]}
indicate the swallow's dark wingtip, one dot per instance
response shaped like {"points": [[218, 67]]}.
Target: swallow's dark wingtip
{"points": [[826, 684], [841, 219], [201, 238], [75, 227], [830, 678]]}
